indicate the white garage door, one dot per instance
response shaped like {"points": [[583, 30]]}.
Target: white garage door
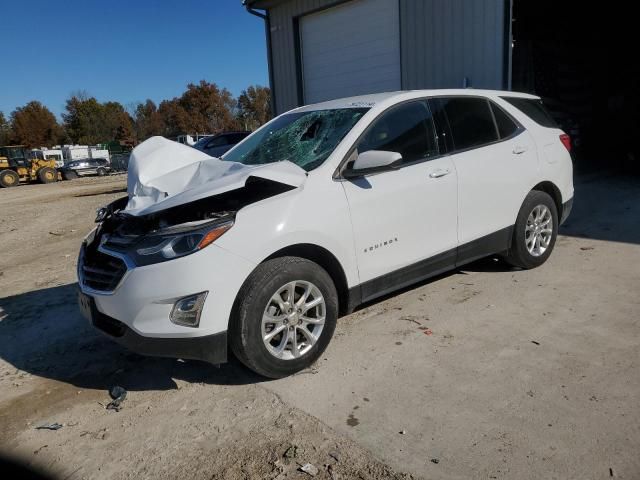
{"points": [[351, 49]]}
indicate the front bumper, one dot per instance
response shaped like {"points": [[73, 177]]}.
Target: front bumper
{"points": [[136, 312], [208, 348]]}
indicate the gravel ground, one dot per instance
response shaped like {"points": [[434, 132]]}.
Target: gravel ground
{"points": [[486, 372]]}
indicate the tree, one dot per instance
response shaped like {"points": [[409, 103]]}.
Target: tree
{"points": [[147, 120], [254, 107], [88, 121], [5, 130], [209, 108], [34, 125], [174, 117]]}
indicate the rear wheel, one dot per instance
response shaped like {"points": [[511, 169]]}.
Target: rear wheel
{"points": [[535, 232], [284, 317], [9, 178], [69, 175], [101, 172], [47, 175]]}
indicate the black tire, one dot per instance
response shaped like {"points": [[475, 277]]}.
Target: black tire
{"points": [[519, 255], [101, 172], [69, 175], [47, 175], [245, 330], [9, 178]]}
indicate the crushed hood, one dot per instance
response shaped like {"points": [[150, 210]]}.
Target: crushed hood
{"points": [[163, 174]]}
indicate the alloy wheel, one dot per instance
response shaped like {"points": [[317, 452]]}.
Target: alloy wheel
{"points": [[293, 320]]}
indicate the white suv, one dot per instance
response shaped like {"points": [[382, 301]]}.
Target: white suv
{"points": [[325, 207]]}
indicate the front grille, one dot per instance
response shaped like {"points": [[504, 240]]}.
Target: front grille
{"points": [[101, 271]]}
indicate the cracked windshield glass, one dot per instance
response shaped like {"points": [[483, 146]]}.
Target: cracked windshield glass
{"points": [[304, 138]]}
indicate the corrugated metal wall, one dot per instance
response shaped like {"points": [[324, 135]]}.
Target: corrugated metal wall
{"points": [[442, 42]]}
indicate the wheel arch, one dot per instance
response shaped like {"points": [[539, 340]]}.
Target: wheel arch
{"points": [[553, 191], [326, 260]]}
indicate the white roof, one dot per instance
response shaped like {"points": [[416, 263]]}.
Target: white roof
{"points": [[371, 100]]}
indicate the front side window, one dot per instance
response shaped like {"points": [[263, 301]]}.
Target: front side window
{"points": [[304, 138], [470, 121], [406, 129]]}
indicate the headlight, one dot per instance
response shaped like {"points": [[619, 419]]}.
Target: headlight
{"points": [[178, 242]]}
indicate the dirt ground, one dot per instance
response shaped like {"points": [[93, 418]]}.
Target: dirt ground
{"points": [[486, 372]]}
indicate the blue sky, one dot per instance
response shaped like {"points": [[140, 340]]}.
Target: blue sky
{"points": [[125, 50]]}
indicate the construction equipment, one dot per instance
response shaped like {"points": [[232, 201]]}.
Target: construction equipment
{"points": [[16, 167]]}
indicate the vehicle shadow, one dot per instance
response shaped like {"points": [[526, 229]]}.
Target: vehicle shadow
{"points": [[44, 334]]}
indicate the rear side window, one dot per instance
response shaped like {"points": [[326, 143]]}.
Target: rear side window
{"points": [[407, 129], [506, 125], [470, 121], [534, 109]]}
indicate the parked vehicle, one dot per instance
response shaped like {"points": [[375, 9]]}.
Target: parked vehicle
{"points": [[324, 208], [218, 145], [86, 167], [17, 166], [192, 138]]}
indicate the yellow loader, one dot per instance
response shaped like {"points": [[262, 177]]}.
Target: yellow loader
{"points": [[17, 167]]}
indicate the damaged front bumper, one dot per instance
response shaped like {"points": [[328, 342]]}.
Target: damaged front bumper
{"points": [[136, 311], [209, 348]]}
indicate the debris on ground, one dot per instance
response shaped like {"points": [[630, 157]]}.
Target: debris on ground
{"points": [[293, 451], [427, 331], [335, 455], [309, 469], [435, 460], [118, 394], [535, 343], [586, 248], [402, 432], [49, 426]]}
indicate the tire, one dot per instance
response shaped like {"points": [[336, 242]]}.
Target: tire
{"points": [[527, 252], [9, 178], [101, 172], [69, 175], [255, 301], [47, 175]]}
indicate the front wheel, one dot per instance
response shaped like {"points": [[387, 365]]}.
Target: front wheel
{"points": [[47, 175], [284, 317], [535, 232]]}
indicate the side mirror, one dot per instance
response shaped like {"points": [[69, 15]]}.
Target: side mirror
{"points": [[373, 161]]}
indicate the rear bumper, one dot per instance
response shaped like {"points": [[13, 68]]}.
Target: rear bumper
{"points": [[208, 348], [566, 210]]}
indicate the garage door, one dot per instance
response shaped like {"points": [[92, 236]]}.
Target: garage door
{"points": [[351, 49]]}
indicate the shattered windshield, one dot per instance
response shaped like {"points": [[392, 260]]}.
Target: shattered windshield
{"points": [[303, 138]]}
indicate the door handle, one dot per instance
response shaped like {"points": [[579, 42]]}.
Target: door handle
{"points": [[519, 149], [439, 173]]}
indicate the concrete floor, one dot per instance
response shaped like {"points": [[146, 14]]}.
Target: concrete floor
{"points": [[487, 372], [527, 374]]}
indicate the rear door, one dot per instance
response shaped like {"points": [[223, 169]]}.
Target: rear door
{"points": [[496, 162], [404, 220]]}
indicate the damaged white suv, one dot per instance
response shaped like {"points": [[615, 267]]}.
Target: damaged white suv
{"points": [[324, 208]]}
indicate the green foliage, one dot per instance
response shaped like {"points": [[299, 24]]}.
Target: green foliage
{"points": [[202, 108], [254, 107], [88, 121]]}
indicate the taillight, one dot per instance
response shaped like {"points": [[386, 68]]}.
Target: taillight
{"points": [[566, 141]]}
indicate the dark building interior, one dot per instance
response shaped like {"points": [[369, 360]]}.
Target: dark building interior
{"points": [[582, 59]]}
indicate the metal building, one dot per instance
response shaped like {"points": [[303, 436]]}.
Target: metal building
{"points": [[324, 49]]}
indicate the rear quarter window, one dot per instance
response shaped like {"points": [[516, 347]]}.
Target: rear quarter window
{"points": [[534, 109]]}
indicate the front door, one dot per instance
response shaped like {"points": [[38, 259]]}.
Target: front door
{"points": [[404, 220]]}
